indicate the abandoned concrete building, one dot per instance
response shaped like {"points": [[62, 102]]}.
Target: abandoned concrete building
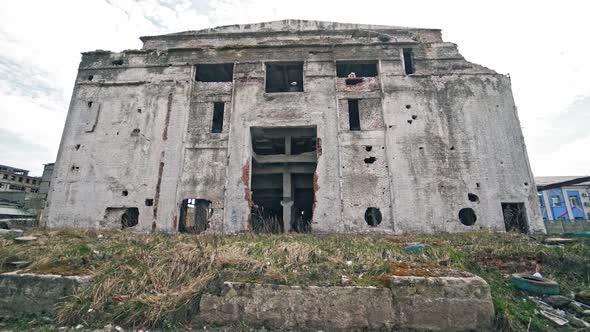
{"points": [[292, 125]]}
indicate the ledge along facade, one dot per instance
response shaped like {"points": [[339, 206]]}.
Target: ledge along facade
{"points": [[292, 125]]}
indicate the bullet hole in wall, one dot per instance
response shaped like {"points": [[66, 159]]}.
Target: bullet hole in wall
{"points": [[368, 148], [467, 216], [139, 110], [373, 216], [452, 148], [473, 197], [75, 168], [390, 126], [410, 121], [90, 77], [149, 202], [370, 160], [135, 132], [477, 184], [89, 104], [526, 183], [125, 193], [421, 148], [414, 117], [408, 106], [78, 147]]}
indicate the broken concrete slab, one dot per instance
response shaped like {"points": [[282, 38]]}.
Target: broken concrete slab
{"points": [[24, 239], [410, 303], [24, 294], [10, 233], [442, 303]]}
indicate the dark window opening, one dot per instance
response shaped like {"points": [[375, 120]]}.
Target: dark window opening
{"points": [[149, 202], [217, 126], [373, 216], [473, 197], [348, 69], [467, 216], [194, 215], [130, 218], [117, 62], [222, 72], [515, 217], [354, 119], [408, 61], [303, 144], [303, 194], [284, 77]]}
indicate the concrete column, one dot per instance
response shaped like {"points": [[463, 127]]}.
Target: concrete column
{"points": [[287, 208], [547, 205], [570, 214]]}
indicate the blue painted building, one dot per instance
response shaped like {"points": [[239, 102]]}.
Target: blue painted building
{"points": [[564, 201]]}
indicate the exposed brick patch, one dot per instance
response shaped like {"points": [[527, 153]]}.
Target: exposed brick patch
{"points": [[247, 191]]}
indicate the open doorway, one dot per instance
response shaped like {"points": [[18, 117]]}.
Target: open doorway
{"points": [[194, 215], [283, 164], [515, 217]]}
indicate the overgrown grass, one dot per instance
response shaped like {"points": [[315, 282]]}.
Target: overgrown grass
{"points": [[155, 280]]}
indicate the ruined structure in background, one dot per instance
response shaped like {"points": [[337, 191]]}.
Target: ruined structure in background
{"points": [[291, 126]]}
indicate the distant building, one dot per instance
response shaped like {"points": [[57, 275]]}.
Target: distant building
{"points": [[46, 178], [16, 179], [564, 201]]}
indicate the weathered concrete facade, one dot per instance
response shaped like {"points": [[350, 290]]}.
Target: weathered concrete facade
{"points": [[418, 135]]}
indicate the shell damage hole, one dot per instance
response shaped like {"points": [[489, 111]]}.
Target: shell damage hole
{"points": [[370, 160], [452, 148], [421, 148], [408, 106], [526, 183], [89, 104], [78, 147], [414, 117], [477, 184], [149, 202], [125, 193], [410, 121], [368, 148], [473, 197], [467, 216], [373, 216], [90, 77], [139, 110], [135, 132]]}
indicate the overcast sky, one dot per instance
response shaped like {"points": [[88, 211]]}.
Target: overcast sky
{"points": [[543, 45]]}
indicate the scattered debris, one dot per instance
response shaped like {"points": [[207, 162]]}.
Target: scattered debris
{"points": [[415, 247], [554, 318], [557, 240], [24, 239], [557, 301], [345, 281], [8, 233], [535, 284], [19, 264], [583, 296]]}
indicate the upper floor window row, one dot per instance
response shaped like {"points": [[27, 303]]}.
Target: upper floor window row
{"points": [[288, 76]]}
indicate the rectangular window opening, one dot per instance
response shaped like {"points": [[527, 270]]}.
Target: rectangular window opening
{"points": [[408, 61], [352, 69], [217, 126], [354, 120], [284, 77], [222, 72]]}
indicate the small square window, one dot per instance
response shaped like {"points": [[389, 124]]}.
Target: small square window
{"points": [[284, 77]]}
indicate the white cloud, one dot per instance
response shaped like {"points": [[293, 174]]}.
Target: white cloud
{"points": [[542, 45]]}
